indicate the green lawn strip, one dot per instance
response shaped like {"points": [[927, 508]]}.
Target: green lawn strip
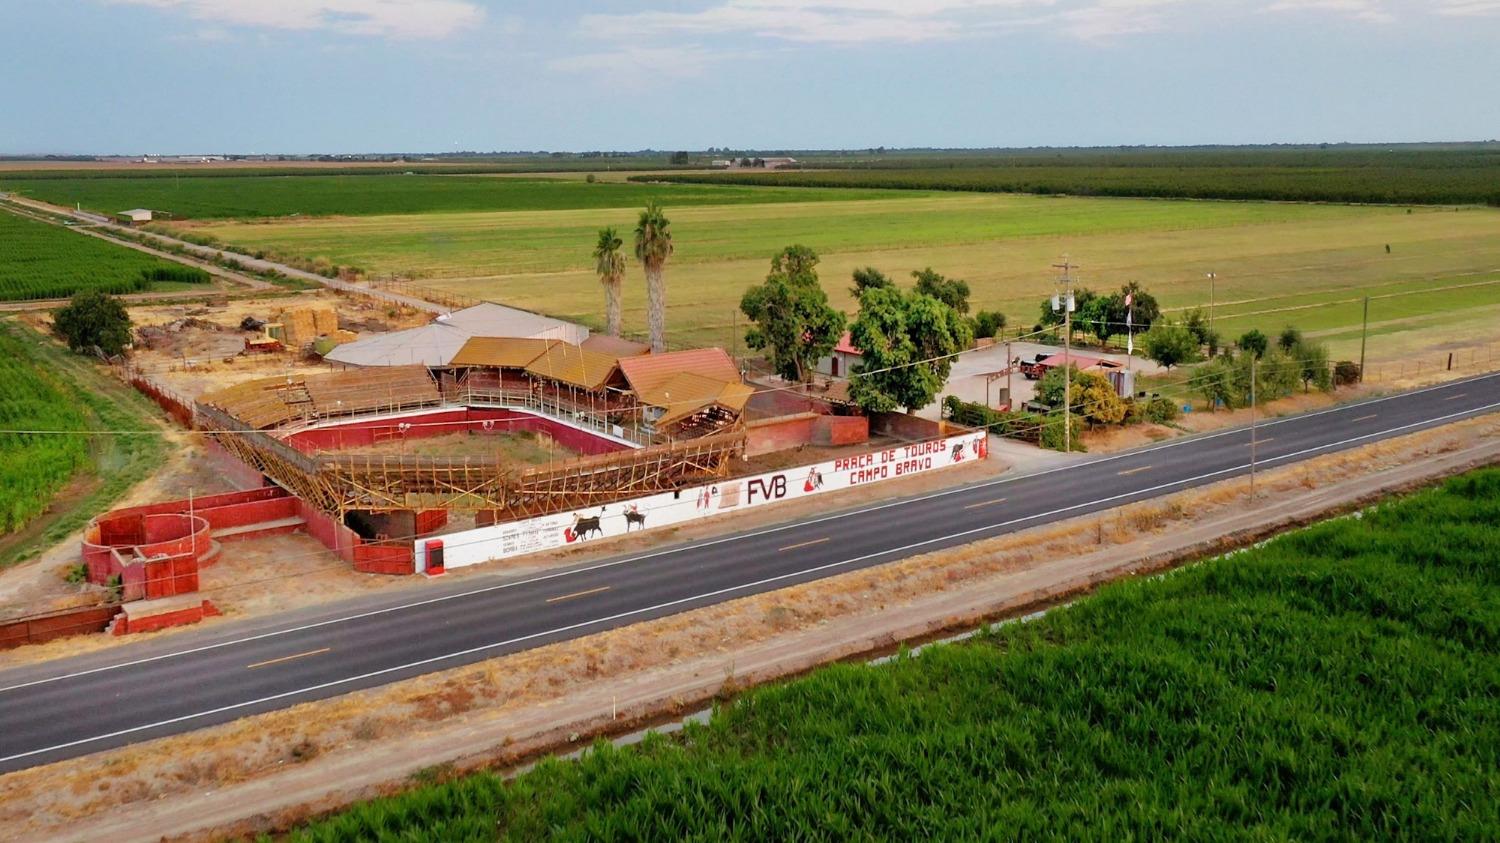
{"points": [[1339, 682], [117, 460]]}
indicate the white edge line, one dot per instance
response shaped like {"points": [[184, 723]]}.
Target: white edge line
{"points": [[741, 536], [716, 593]]}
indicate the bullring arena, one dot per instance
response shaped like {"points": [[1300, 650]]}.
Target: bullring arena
{"points": [[486, 447]]}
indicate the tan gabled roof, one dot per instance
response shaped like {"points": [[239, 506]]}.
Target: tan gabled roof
{"points": [[501, 352], [647, 373], [688, 393], [615, 346], [576, 366]]}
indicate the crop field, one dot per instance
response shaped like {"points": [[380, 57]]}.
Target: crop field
{"points": [[49, 388], [34, 466], [42, 261], [1338, 682], [220, 197], [1470, 175], [1268, 257]]}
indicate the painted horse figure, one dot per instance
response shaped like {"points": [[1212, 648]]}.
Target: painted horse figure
{"points": [[634, 517]]}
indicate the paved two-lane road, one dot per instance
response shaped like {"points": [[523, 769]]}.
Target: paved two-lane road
{"points": [[71, 707]]}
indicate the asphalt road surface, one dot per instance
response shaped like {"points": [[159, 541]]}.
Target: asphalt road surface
{"points": [[70, 707]]}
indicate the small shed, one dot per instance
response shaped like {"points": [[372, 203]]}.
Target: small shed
{"points": [[134, 216]]}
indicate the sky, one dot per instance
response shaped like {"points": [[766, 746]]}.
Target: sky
{"points": [[348, 76]]}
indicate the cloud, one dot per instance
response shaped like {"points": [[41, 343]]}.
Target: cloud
{"points": [[684, 61], [1468, 8], [913, 21], [1373, 11], [415, 19]]}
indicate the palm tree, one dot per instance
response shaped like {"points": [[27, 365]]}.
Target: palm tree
{"points": [[610, 265], [653, 245]]}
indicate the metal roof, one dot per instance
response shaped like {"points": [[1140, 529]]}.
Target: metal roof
{"points": [[575, 366], [429, 345], [615, 346], [647, 373], [687, 393], [501, 352], [488, 319]]}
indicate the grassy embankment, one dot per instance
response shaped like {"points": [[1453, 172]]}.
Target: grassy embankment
{"points": [[39, 260], [51, 484], [1337, 682]]}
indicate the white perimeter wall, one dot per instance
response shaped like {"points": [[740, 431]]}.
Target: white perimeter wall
{"points": [[502, 541]]}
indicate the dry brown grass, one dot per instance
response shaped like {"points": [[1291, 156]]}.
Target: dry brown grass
{"points": [[53, 796]]}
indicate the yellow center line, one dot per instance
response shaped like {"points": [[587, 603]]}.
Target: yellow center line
{"points": [[578, 594], [1366, 418], [1455, 397], [984, 503], [287, 658], [1261, 440], [1133, 470], [805, 544]]}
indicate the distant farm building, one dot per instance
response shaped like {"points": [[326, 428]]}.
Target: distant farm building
{"points": [[779, 163], [135, 216]]}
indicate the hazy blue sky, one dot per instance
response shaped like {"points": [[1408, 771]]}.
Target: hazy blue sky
{"points": [[136, 76]]}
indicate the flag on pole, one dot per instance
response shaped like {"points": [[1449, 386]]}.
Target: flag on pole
{"points": [[1129, 326]]}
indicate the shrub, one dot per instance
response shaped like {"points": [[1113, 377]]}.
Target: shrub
{"points": [[1254, 342], [1345, 373], [1052, 432], [987, 323], [1161, 410]]}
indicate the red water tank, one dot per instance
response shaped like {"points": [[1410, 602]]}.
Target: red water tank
{"points": [[434, 557]]}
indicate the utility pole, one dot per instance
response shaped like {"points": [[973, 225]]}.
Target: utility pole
{"points": [[1213, 284], [1064, 299], [1253, 361], [1010, 363], [1364, 330]]}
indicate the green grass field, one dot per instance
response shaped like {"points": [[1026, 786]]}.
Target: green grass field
{"points": [[49, 388], [220, 197], [42, 261], [1338, 682], [1268, 256]]}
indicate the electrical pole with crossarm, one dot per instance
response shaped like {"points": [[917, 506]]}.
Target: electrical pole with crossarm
{"points": [[1063, 300]]}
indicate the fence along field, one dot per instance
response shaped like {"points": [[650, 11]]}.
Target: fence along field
{"points": [[43, 261], [34, 466], [1336, 682]]}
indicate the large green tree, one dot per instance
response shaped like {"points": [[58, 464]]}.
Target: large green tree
{"points": [[868, 278], [93, 320], [653, 245], [906, 340], [791, 318], [1170, 345], [949, 291], [609, 262]]}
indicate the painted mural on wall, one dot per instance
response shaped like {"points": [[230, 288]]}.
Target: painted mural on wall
{"points": [[502, 541]]}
